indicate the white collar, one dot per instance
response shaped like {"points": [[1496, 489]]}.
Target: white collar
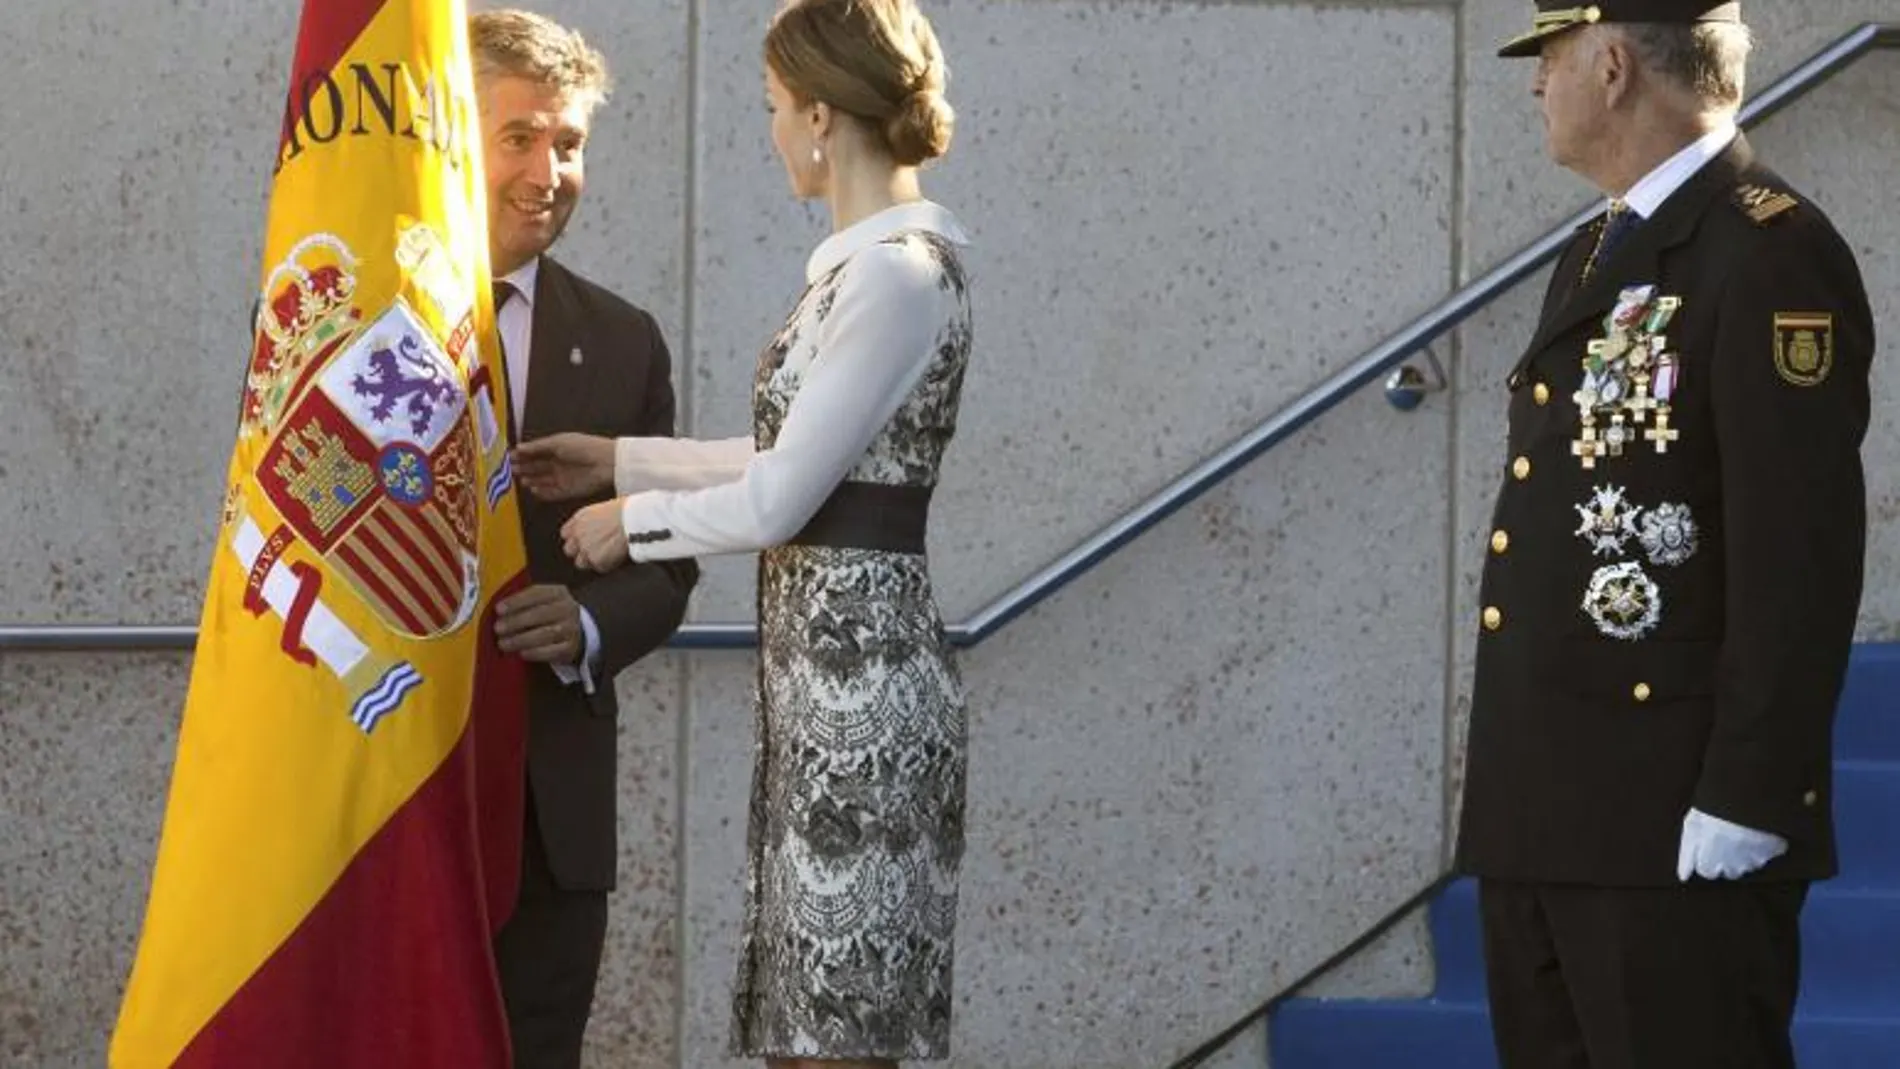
{"points": [[523, 279], [916, 215], [1648, 195]]}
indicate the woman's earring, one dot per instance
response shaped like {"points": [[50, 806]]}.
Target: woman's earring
{"points": [[817, 154]]}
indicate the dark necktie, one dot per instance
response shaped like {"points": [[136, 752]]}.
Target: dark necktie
{"points": [[1617, 224], [503, 292]]}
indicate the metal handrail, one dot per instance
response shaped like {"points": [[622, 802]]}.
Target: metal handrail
{"points": [[1184, 490]]}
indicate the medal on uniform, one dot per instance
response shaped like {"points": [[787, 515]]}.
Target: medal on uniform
{"points": [[1631, 304], [1668, 372], [1624, 602], [1660, 313], [1668, 535], [1628, 378], [1586, 447], [1609, 521]]}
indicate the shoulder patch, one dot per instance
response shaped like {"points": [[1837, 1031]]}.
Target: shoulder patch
{"points": [[1804, 347], [1763, 205]]}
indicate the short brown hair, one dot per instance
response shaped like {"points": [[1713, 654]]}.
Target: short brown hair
{"points": [[875, 59], [511, 43]]}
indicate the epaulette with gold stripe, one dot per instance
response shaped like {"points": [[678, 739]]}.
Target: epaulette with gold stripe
{"points": [[1762, 204]]}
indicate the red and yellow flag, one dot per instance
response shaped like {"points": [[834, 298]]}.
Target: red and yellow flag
{"points": [[343, 832]]}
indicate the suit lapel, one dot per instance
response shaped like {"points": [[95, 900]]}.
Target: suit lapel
{"points": [[1638, 260], [557, 386], [1563, 281]]}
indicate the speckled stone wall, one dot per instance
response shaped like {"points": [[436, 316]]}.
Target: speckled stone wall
{"points": [[1194, 773]]}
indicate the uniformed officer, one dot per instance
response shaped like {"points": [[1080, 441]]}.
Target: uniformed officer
{"points": [[1674, 571]]}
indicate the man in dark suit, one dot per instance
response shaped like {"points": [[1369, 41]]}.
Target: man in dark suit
{"points": [[578, 358], [1673, 577]]}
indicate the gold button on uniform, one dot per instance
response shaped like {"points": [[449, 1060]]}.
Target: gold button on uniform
{"points": [[1521, 467], [1541, 394], [1500, 541], [1641, 692], [1493, 619]]}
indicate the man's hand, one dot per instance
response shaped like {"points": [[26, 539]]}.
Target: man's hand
{"points": [[542, 624], [1716, 849], [594, 538], [566, 465]]}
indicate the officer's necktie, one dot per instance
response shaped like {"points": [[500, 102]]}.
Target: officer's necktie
{"points": [[1617, 224], [505, 290]]}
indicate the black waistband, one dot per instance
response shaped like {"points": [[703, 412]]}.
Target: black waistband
{"points": [[869, 516]]}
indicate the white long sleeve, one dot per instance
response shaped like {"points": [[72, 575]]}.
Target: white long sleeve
{"points": [[677, 463], [873, 347]]}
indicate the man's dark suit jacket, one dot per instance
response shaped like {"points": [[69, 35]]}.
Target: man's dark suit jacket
{"points": [[619, 385]]}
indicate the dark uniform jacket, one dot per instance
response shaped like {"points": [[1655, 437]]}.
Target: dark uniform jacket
{"points": [[1671, 585]]}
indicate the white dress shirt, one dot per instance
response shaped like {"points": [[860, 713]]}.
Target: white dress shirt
{"points": [[1647, 196], [868, 353], [514, 321]]}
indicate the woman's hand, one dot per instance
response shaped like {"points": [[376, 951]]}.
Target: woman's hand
{"points": [[567, 465], [594, 538]]}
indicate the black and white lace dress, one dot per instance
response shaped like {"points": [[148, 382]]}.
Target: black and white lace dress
{"points": [[856, 827]]}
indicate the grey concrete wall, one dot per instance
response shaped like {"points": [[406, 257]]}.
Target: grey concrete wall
{"points": [[1195, 773]]}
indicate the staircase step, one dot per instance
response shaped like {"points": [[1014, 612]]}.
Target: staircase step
{"points": [[1851, 951], [1867, 723], [1431, 1035], [1850, 954], [1849, 1015], [1370, 1034], [1844, 1043], [1458, 944], [1866, 805], [1854, 931]]}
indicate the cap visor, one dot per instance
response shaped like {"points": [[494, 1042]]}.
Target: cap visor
{"points": [[1532, 43]]}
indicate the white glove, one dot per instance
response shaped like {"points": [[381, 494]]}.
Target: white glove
{"points": [[1715, 849]]}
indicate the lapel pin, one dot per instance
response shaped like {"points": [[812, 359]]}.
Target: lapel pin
{"points": [[574, 357]]}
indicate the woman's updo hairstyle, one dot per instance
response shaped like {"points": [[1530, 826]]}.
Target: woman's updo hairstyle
{"points": [[877, 60]]}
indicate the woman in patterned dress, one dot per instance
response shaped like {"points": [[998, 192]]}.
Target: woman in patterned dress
{"points": [[856, 826]]}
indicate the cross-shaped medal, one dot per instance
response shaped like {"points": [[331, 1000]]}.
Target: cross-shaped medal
{"points": [[1617, 436], [1662, 433], [1642, 404], [1588, 447]]}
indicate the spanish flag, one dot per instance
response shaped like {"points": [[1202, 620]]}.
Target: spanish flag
{"points": [[342, 837]]}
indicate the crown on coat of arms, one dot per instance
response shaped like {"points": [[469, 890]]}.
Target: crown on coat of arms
{"points": [[305, 313]]}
